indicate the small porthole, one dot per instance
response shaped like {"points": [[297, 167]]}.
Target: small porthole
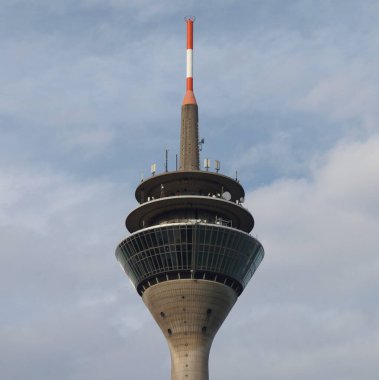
{"points": [[209, 312], [169, 332], [204, 329], [163, 314]]}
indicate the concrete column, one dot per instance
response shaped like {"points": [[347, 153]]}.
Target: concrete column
{"points": [[189, 138], [189, 313]]}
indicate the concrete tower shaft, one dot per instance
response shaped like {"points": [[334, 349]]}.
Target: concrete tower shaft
{"points": [[189, 313], [189, 138]]}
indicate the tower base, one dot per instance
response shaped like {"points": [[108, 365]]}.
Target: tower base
{"points": [[189, 313]]}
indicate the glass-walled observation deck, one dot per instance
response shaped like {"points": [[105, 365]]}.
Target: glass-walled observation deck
{"points": [[182, 250]]}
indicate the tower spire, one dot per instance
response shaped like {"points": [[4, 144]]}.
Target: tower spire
{"points": [[189, 134], [189, 97], [189, 254]]}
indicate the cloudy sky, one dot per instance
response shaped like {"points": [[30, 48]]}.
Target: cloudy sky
{"points": [[90, 95]]}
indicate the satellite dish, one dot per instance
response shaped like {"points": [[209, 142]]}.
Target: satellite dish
{"points": [[242, 199], [227, 196]]}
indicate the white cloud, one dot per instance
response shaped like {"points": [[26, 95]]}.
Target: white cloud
{"points": [[347, 94], [62, 289], [314, 309]]}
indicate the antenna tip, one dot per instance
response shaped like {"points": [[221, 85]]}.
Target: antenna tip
{"points": [[189, 18]]}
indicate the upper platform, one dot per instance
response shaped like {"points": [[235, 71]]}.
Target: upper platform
{"points": [[188, 207], [194, 182]]}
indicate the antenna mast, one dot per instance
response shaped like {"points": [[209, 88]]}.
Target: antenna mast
{"points": [[189, 134]]}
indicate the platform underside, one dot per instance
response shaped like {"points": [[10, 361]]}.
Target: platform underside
{"points": [[189, 313]]}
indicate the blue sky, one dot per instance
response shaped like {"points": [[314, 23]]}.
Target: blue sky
{"points": [[90, 95]]}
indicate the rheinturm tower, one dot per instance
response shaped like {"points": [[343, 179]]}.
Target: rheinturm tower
{"points": [[189, 253]]}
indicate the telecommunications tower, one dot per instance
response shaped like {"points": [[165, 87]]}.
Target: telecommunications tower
{"points": [[190, 254]]}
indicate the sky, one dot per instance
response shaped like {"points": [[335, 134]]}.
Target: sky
{"points": [[90, 96]]}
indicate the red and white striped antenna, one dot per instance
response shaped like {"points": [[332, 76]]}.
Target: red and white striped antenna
{"points": [[189, 97]]}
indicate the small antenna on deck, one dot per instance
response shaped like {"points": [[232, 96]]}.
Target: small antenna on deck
{"points": [[217, 165], [153, 169], [201, 142], [207, 163], [166, 162]]}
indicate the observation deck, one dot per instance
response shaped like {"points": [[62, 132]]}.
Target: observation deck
{"points": [[185, 228], [190, 250]]}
